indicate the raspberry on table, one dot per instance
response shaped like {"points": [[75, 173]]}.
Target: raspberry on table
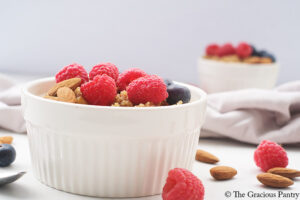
{"points": [[105, 68], [128, 76], [181, 184], [212, 50], [226, 49], [101, 90], [269, 155], [145, 89], [244, 50], [72, 71]]}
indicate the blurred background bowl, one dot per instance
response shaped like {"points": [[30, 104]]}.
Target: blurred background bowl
{"points": [[217, 76]]}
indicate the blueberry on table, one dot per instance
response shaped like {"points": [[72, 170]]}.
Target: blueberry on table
{"points": [[168, 82], [7, 154], [178, 93]]}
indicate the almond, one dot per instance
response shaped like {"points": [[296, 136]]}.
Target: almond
{"points": [[77, 92], [6, 140], [273, 180], [70, 83], [66, 94], [52, 98], [206, 157], [286, 172], [223, 172], [81, 100]]}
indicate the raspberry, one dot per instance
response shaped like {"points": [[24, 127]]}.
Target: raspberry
{"points": [[100, 91], [147, 89], [105, 68], [244, 50], [182, 185], [72, 71], [212, 50], [128, 76], [226, 49], [269, 155]]}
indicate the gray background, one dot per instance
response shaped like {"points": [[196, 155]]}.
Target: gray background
{"points": [[164, 37]]}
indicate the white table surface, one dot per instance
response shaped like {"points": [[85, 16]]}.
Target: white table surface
{"points": [[237, 155], [231, 153]]}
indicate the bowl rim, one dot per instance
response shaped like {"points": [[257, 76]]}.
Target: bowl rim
{"points": [[239, 64], [25, 92]]}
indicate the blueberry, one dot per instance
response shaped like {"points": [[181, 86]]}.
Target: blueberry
{"points": [[264, 53], [168, 82], [254, 51], [177, 93], [7, 154]]}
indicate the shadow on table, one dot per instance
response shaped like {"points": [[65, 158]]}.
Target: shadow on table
{"points": [[16, 190]]}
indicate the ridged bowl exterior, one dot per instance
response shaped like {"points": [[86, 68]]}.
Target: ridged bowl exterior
{"points": [[109, 152]]}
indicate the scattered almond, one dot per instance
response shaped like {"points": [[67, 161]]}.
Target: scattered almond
{"points": [[6, 140], [223, 172], [66, 94], [286, 172], [273, 180], [206, 157], [70, 83]]}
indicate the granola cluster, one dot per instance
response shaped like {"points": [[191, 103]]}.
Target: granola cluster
{"points": [[235, 58], [122, 100]]}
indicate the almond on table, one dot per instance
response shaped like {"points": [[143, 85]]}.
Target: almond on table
{"points": [[275, 181], [286, 172], [204, 156], [223, 172]]}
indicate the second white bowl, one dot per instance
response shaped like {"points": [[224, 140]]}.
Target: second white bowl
{"points": [[217, 76]]}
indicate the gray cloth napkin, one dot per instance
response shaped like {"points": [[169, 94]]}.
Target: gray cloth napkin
{"points": [[11, 117], [253, 115]]}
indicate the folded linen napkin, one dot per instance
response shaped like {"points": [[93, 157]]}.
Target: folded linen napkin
{"points": [[253, 115], [11, 117]]}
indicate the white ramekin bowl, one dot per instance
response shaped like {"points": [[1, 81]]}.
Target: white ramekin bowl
{"points": [[109, 151], [217, 76]]}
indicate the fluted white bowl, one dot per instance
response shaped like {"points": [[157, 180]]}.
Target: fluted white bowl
{"points": [[217, 76], [109, 151]]}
